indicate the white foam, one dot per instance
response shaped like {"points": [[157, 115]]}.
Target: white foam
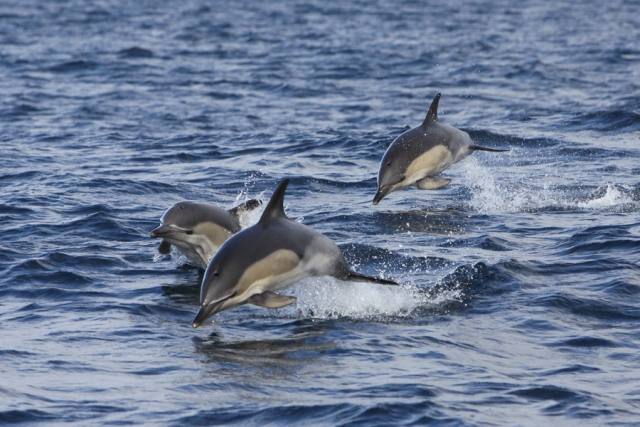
{"points": [[488, 196], [178, 258], [327, 297], [157, 256], [612, 197], [249, 218], [530, 192]]}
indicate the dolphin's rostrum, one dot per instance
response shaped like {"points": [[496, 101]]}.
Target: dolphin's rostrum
{"points": [[199, 229], [419, 154], [273, 254]]}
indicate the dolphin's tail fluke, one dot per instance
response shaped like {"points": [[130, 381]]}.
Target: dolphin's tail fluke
{"points": [[478, 147], [357, 277]]}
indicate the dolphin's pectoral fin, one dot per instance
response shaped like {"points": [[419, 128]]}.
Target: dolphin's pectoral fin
{"points": [[203, 256], [430, 183], [357, 277], [164, 247], [269, 299]]}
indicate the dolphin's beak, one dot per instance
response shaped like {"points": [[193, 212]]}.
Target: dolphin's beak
{"points": [[163, 230], [209, 310], [160, 231], [382, 192], [206, 312]]}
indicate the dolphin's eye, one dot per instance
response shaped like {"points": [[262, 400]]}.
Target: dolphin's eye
{"points": [[389, 164], [182, 207], [215, 274]]}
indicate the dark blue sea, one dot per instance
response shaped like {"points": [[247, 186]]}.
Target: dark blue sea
{"points": [[520, 296]]}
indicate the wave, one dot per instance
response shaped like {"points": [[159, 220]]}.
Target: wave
{"points": [[617, 121], [74, 66], [17, 416], [136, 52]]}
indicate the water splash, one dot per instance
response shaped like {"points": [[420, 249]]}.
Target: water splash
{"points": [[527, 193], [178, 258], [157, 257], [329, 298], [613, 196], [248, 218]]}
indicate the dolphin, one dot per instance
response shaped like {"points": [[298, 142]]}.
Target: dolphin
{"points": [[267, 257], [199, 229], [419, 154]]}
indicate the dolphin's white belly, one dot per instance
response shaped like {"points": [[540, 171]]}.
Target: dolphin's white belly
{"points": [[282, 269], [429, 163]]}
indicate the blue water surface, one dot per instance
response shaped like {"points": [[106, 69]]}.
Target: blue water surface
{"points": [[519, 302]]}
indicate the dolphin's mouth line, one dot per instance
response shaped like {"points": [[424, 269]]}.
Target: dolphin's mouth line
{"points": [[384, 187], [223, 298], [210, 309], [165, 230], [402, 178], [384, 190]]}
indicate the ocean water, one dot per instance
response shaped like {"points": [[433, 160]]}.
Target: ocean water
{"points": [[519, 303]]}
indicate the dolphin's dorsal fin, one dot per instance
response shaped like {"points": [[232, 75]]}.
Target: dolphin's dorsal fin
{"points": [[432, 115], [275, 208]]}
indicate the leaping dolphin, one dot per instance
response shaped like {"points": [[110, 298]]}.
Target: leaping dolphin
{"points": [[199, 229], [421, 153], [271, 255]]}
